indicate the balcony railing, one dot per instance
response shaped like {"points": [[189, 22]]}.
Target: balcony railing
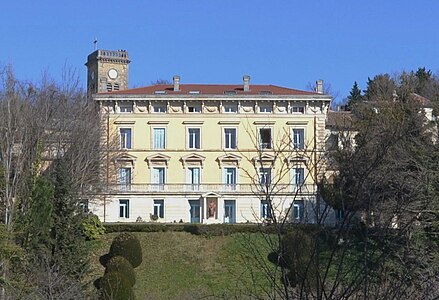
{"points": [[216, 188]]}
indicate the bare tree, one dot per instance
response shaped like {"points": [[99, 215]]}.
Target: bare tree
{"points": [[381, 181], [289, 203], [42, 123]]}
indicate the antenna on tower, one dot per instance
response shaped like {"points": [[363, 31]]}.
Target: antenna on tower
{"points": [[95, 42]]}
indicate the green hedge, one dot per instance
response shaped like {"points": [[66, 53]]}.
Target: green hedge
{"points": [[199, 229], [127, 245]]}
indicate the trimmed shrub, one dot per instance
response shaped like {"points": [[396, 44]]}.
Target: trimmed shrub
{"points": [[115, 286], [128, 246], [92, 227], [122, 265], [298, 246]]}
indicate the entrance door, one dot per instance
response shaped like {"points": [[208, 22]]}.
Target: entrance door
{"points": [[195, 211], [229, 211]]}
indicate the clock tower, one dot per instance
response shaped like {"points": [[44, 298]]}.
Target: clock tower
{"points": [[107, 71]]}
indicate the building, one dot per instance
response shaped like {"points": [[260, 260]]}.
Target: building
{"points": [[203, 152]]}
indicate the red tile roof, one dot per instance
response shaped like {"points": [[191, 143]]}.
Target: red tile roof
{"points": [[213, 89]]}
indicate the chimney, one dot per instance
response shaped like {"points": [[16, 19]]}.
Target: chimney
{"points": [[319, 86], [246, 80], [176, 80]]}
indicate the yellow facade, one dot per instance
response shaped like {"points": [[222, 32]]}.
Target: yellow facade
{"points": [[211, 153]]}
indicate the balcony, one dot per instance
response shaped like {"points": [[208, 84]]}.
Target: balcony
{"points": [[279, 189]]}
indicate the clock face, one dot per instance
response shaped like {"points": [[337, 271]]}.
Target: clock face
{"points": [[112, 73], [92, 74]]}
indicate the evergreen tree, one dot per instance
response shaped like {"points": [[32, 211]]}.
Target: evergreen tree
{"points": [[354, 96], [69, 251], [38, 219], [380, 88]]}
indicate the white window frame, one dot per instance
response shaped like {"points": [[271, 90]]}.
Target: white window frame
{"points": [[298, 109], [126, 108], [300, 208], [156, 184], [126, 183], [188, 138], [124, 209], [193, 186], [225, 138], [266, 108], [195, 107], [262, 173], [230, 186], [157, 107], [293, 137], [123, 141], [265, 209], [294, 182], [261, 145], [153, 145], [159, 208], [230, 108]]}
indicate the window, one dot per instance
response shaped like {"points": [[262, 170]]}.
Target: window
{"points": [[159, 108], [195, 211], [298, 109], [126, 108], [230, 178], [125, 138], [229, 211], [230, 108], [124, 178], [109, 87], [116, 87], [298, 177], [194, 178], [159, 208], [124, 208], [298, 210], [158, 178], [264, 176], [194, 108], [194, 138], [266, 108], [159, 138], [229, 138], [265, 209], [265, 138], [298, 138]]}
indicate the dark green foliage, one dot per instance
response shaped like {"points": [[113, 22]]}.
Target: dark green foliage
{"points": [[122, 265], [354, 96], [69, 250], [141, 227], [197, 229], [298, 253], [128, 246], [37, 223], [92, 227], [380, 88], [115, 286]]}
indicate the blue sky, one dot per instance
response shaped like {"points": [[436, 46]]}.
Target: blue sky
{"points": [[287, 43]]}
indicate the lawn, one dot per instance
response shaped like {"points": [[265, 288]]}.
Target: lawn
{"points": [[179, 265]]}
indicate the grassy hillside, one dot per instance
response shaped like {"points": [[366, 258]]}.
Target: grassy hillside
{"points": [[178, 265]]}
